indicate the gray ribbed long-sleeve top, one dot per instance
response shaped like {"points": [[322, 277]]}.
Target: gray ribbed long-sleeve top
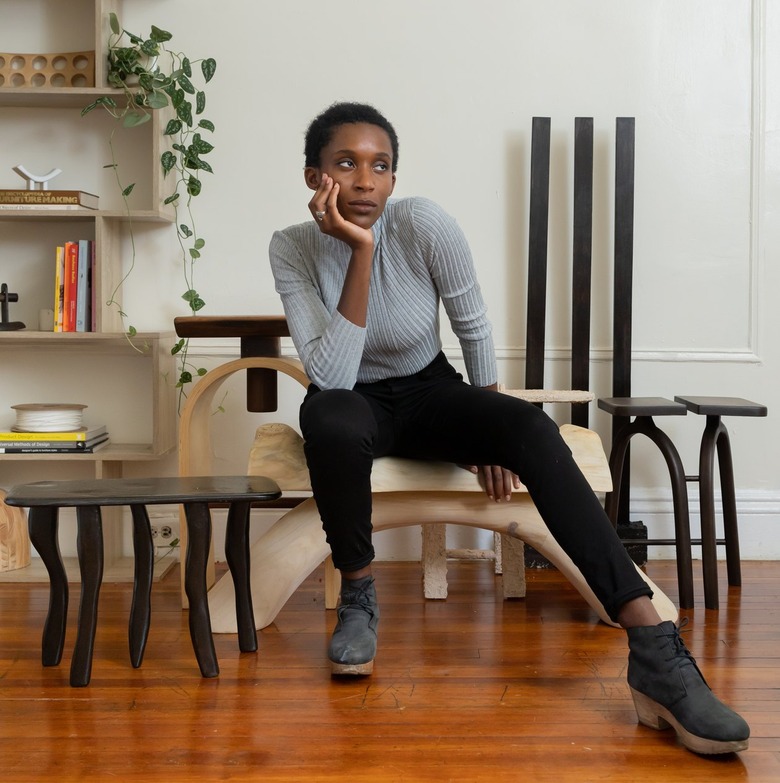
{"points": [[421, 257]]}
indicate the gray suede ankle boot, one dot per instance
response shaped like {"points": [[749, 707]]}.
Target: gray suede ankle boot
{"points": [[353, 646], [670, 691]]}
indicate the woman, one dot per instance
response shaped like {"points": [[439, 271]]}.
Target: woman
{"points": [[361, 286]]}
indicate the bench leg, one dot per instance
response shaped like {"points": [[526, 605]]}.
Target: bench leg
{"points": [[89, 546], [237, 555], [199, 538], [141, 608], [42, 525], [434, 555]]}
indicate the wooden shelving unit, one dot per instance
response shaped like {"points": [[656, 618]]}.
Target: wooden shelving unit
{"points": [[106, 228]]}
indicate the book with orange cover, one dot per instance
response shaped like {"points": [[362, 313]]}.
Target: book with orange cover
{"points": [[70, 289]]}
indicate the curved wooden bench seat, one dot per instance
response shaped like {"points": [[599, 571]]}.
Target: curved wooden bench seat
{"points": [[406, 492]]}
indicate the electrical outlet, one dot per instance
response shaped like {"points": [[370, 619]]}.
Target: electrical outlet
{"points": [[165, 535]]}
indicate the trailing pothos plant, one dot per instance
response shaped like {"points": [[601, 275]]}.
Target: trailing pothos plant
{"points": [[152, 78]]}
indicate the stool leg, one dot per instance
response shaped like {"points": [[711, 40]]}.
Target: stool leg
{"points": [[237, 554], [199, 537], [141, 608], [682, 523], [729, 500], [42, 525], [89, 546], [617, 458], [709, 555]]}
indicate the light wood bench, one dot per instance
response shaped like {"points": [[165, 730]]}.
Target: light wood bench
{"points": [[405, 493]]}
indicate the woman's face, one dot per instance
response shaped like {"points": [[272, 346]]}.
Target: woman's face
{"points": [[359, 158]]}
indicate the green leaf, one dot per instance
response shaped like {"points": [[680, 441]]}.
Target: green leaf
{"points": [[185, 230], [150, 48], [208, 67], [128, 190], [173, 126], [114, 24], [197, 304], [201, 147], [171, 198], [185, 377], [157, 100], [194, 254], [203, 166], [184, 112], [133, 119], [186, 67], [200, 102], [186, 85], [189, 296], [160, 35], [193, 186], [176, 348], [131, 331], [202, 371], [167, 161], [199, 244], [207, 124]]}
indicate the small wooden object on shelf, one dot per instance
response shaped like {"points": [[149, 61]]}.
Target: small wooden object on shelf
{"points": [[61, 69], [5, 297]]}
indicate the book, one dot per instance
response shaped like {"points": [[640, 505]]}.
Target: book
{"points": [[54, 450], [81, 285], [70, 287], [91, 288], [50, 199], [59, 281], [89, 433]]}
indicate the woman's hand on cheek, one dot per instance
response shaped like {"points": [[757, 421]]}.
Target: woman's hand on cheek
{"points": [[324, 208]]}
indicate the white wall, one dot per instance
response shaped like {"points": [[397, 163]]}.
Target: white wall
{"points": [[461, 81]]}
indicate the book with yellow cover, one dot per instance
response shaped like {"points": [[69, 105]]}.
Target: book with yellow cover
{"points": [[75, 435]]}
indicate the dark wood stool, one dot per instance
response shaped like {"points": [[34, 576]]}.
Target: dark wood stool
{"points": [[44, 500], [643, 409], [716, 438]]}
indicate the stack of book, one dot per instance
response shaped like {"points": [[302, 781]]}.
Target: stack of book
{"points": [[74, 294], [84, 441]]}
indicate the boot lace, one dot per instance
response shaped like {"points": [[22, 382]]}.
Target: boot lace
{"points": [[679, 650]]}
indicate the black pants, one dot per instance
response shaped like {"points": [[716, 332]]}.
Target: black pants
{"points": [[434, 415]]}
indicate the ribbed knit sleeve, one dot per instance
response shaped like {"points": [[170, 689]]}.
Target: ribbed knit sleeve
{"points": [[329, 346]]}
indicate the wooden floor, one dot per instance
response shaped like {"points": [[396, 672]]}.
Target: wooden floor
{"points": [[468, 689]]}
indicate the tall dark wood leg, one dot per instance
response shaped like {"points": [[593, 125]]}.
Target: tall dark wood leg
{"points": [[617, 459], [89, 545], [729, 500], [141, 608], [199, 537], [42, 525], [237, 554], [682, 524], [709, 556]]}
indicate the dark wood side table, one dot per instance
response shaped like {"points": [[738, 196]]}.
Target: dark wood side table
{"points": [[44, 500], [716, 438], [644, 409]]}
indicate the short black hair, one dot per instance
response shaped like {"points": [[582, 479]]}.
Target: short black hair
{"points": [[320, 130]]}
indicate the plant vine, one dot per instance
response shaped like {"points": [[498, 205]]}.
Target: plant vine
{"points": [[152, 78]]}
